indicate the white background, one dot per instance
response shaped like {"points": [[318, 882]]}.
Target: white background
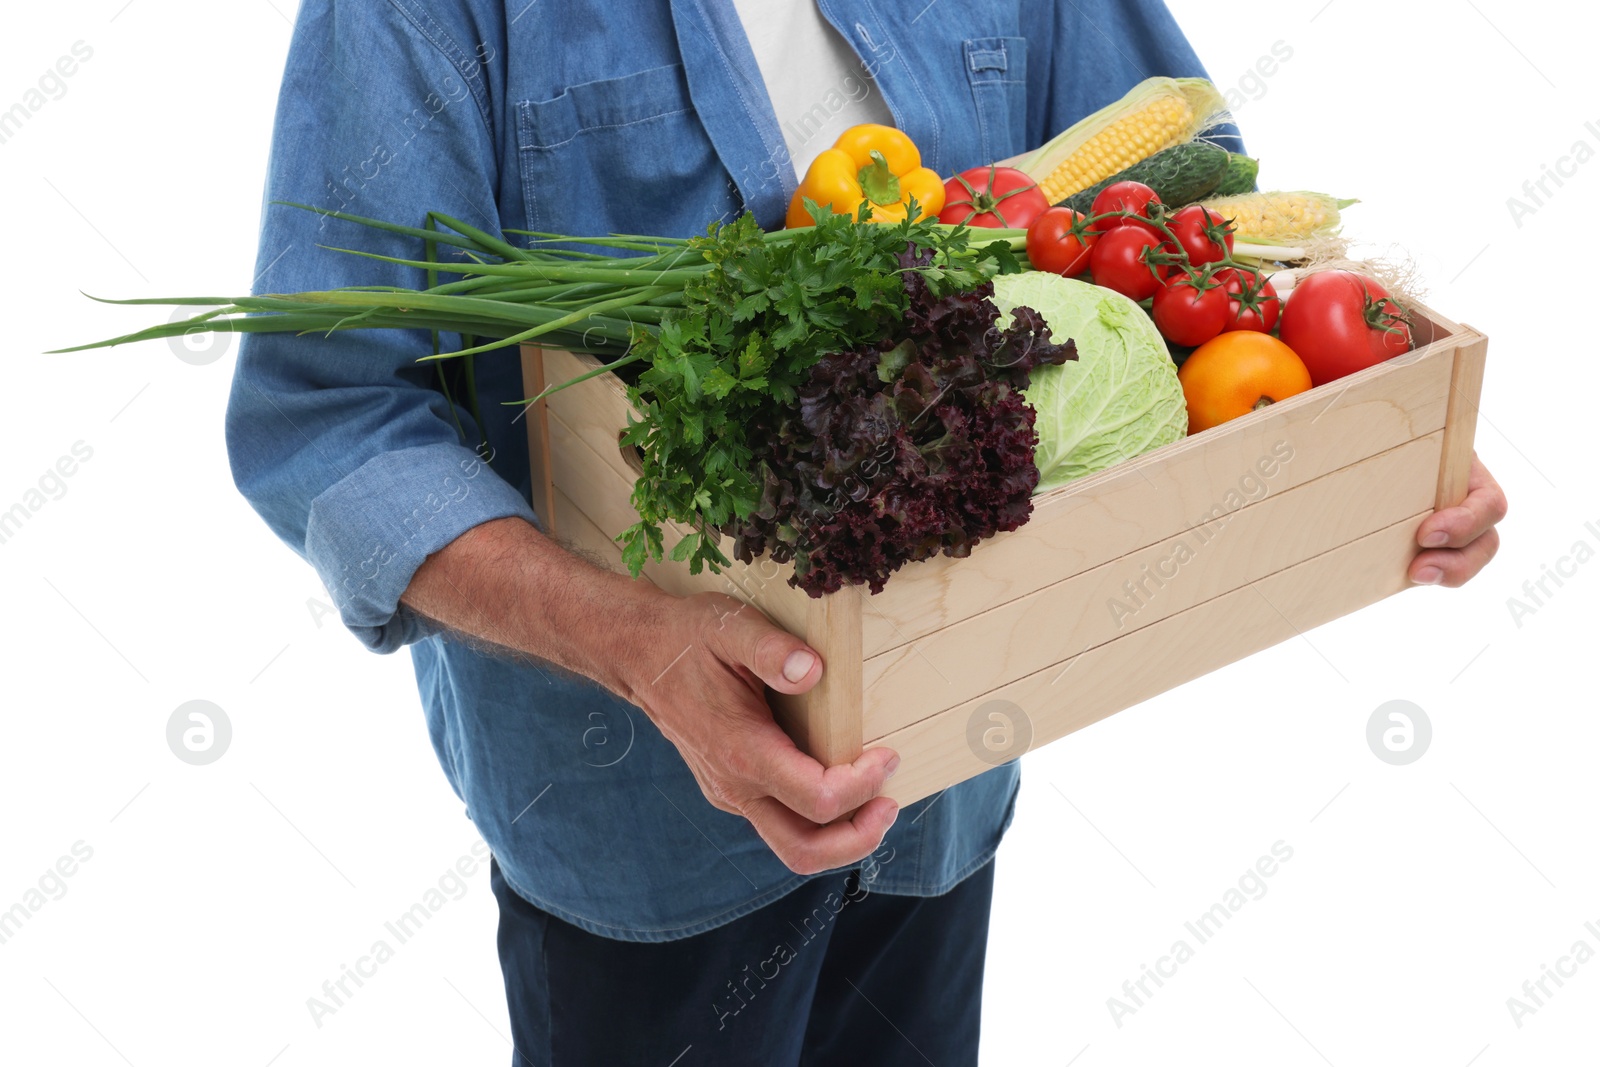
{"points": [[219, 898]]}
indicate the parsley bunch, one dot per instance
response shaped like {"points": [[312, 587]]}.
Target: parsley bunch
{"points": [[728, 367]]}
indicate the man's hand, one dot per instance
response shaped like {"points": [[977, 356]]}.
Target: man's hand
{"points": [[1461, 540], [697, 666], [701, 677]]}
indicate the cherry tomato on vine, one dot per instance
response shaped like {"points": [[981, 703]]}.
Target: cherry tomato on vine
{"points": [[1253, 303], [1202, 234], [1341, 322], [1190, 310], [1131, 197], [1117, 262], [998, 197], [1055, 245], [1236, 373]]}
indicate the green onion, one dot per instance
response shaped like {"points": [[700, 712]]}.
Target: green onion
{"points": [[500, 295]]}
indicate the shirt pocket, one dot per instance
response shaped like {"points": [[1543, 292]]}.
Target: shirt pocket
{"points": [[997, 74], [624, 155]]}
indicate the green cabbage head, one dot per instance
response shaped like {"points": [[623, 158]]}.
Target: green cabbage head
{"points": [[1119, 399]]}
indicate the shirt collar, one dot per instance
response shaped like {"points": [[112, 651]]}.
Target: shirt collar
{"points": [[732, 102]]}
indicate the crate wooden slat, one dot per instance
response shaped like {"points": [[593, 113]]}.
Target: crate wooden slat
{"points": [[1073, 694], [593, 483], [1290, 517], [1072, 616], [1163, 493]]}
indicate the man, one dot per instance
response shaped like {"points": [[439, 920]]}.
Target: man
{"points": [[658, 840]]}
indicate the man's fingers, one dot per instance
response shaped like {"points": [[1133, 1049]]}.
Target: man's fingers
{"points": [[1460, 526], [777, 657], [800, 803], [807, 848], [820, 794], [1454, 566], [1460, 541]]}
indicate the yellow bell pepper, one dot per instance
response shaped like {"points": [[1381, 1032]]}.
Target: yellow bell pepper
{"points": [[872, 164]]}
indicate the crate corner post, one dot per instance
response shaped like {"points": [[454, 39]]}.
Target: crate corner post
{"points": [[537, 415], [1461, 418], [826, 721]]}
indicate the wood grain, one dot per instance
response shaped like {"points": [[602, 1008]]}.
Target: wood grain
{"points": [[538, 438], [1461, 419], [936, 753], [826, 722], [593, 484], [596, 411], [980, 653], [1375, 451], [1160, 494]]}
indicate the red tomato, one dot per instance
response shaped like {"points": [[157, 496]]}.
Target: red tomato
{"points": [[1117, 262], [1190, 311], [1131, 197], [1340, 322], [1253, 303], [992, 196], [1202, 233], [1058, 242]]}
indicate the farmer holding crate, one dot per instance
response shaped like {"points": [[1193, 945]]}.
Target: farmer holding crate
{"points": [[675, 878]]}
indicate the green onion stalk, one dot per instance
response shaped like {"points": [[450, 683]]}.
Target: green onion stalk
{"points": [[502, 294], [727, 327]]}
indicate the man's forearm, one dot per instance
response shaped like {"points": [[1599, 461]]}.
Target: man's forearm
{"points": [[506, 583]]}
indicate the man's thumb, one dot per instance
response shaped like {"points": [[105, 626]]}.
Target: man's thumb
{"points": [[777, 657]]}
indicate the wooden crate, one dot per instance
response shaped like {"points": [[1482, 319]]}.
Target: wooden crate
{"points": [[1128, 582]]}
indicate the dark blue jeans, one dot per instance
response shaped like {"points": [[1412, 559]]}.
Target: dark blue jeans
{"points": [[828, 976]]}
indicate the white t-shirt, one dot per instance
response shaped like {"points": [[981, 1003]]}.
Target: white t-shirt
{"points": [[819, 88]]}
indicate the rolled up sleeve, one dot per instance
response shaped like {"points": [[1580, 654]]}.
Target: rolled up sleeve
{"points": [[369, 532], [342, 442]]}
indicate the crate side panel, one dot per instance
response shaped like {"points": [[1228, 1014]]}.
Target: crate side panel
{"points": [[1461, 420], [562, 365], [985, 651], [589, 481], [942, 750], [583, 536], [1162, 493], [595, 487], [533, 379], [595, 411]]}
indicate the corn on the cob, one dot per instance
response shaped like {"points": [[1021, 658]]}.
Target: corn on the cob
{"points": [[1155, 114], [1280, 218]]}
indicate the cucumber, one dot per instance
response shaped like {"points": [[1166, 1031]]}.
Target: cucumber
{"points": [[1180, 175], [1239, 178]]}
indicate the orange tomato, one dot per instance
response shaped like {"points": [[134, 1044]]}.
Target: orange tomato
{"points": [[1236, 373]]}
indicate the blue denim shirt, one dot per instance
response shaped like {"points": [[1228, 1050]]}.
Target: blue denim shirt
{"points": [[585, 117]]}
